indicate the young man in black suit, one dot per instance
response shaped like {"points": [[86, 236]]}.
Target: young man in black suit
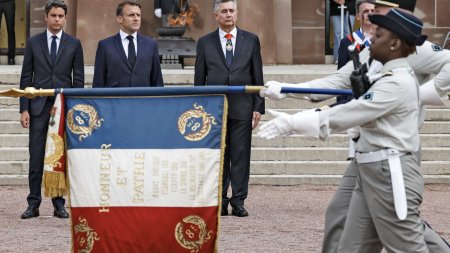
{"points": [[127, 59], [8, 7], [231, 56], [53, 59]]}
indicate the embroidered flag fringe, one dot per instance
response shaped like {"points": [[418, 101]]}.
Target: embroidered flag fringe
{"points": [[54, 177]]}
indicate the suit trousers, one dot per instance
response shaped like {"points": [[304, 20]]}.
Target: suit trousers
{"points": [[336, 215], [236, 169], [37, 138], [9, 9], [372, 207]]}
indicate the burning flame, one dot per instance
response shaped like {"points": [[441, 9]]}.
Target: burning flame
{"points": [[184, 18]]}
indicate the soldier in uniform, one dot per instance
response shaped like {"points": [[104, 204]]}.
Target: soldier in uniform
{"points": [[388, 113], [429, 59]]}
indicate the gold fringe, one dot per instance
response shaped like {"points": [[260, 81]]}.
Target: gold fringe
{"points": [[222, 162], [54, 184]]}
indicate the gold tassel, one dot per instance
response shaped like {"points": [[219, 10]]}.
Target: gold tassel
{"points": [[54, 184]]}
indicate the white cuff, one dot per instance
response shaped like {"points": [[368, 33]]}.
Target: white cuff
{"points": [[306, 123], [429, 95]]}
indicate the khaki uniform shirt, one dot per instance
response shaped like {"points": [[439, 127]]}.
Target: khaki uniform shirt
{"points": [[429, 60], [388, 113]]}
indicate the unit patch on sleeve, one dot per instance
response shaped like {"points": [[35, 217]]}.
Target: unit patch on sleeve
{"points": [[436, 48], [368, 96]]}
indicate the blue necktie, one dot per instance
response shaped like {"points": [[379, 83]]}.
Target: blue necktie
{"points": [[131, 51], [53, 49], [229, 49]]}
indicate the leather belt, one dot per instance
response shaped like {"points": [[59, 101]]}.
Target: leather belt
{"points": [[398, 185]]}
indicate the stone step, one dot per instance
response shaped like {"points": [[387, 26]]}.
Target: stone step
{"points": [[9, 103], [338, 140], [16, 154], [12, 127], [330, 154], [323, 179], [329, 167], [14, 167], [271, 167], [429, 127], [441, 114], [12, 103], [9, 115], [298, 103], [13, 140], [21, 178], [272, 154], [261, 179]]}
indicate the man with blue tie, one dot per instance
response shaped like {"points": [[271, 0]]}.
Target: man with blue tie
{"points": [[53, 59], [127, 59], [231, 56]]}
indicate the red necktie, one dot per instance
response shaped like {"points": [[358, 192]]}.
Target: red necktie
{"points": [[229, 49]]}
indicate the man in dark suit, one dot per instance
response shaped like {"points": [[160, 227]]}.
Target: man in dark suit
{"points": [[127, 59], [231, 56], [8, 7], [164, 7], [53, 59]]}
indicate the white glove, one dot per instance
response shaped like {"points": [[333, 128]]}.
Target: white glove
{"points": [[272, 90], [353, 132], [278, 126], [306, 123], [158, 13]]}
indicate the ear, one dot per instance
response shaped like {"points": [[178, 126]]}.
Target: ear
{"points": [[396, 43], [119, 19]]}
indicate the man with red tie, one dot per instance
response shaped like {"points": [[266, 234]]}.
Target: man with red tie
{"points": [[231, 56]]}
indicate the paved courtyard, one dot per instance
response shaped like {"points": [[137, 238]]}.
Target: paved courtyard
{"points": [[282, 219]]}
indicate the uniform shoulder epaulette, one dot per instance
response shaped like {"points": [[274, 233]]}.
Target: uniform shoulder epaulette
{"points": [[323, 108], [387, 73]]}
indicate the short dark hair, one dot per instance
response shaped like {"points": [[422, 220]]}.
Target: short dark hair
{"points": [[359, 2], [217, 2], [55, 4], [127, 2]]}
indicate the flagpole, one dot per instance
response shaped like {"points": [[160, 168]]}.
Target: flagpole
{"points": [[31, 92]]}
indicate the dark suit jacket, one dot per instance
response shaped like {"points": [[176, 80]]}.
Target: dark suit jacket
{"points": [[112, 68], [343, 55], [246, 69], [38, 72]]}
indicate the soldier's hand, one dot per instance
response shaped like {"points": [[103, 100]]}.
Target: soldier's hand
{"points": [[25, 119], [158, 13], [278, 126], [273, 90]]}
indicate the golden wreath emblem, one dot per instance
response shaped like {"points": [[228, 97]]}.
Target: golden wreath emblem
{"points": [[82, 119], [54, 150], [85, 236], [195, 124], [191, 233]]}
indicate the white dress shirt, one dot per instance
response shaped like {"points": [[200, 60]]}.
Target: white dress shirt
{"points": [[49, 40], [125, 41], [223, 40]]}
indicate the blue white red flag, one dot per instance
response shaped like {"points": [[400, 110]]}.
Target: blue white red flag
{"points": [[145, 172]]}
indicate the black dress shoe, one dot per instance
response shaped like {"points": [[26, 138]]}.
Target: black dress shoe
{"points": [[11, 61], [61, 212], [224, 211], [239, 211], [31, 212]]}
